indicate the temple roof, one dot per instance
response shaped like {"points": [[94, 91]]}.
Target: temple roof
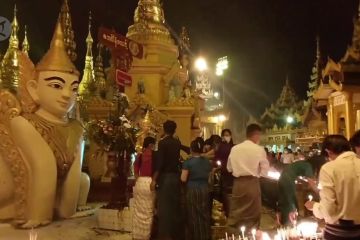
{"points": [[286, 105]]}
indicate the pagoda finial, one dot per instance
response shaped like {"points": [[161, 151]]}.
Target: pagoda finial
{"points": [[25, 44], [149, 23], [87, 85], [10, 62], [100, 74], [65, 18]]}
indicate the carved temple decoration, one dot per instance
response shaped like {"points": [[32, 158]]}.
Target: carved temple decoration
{"points": [[25, 47]]}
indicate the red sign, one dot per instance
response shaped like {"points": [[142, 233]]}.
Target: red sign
{"points": [[117, 42], [123, 78]]}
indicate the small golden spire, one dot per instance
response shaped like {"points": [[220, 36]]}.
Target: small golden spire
{"points": [[100, 74], [184, 40], [25, 44], [10, 63], [66, 25], [56, 58], [87, 85]]}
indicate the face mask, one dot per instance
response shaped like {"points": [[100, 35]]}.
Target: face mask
{"points": [[227, 139]]}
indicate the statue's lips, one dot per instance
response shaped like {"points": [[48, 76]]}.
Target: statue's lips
{"points": [[63, 104]]}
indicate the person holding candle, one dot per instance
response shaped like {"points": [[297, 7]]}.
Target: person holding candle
{"points": [[287, 189], [340, 191], [196, 173], [247, 162]]}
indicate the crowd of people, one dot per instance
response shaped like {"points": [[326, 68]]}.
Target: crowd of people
{"points": [[161, 176]]}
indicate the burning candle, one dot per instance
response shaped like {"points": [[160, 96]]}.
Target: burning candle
{"points": [[242, 229], [310, 197], [253, 233], [32, 234], [218, 163], [265, 236]]}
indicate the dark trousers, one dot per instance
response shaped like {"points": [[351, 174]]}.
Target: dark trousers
{"points": [[170, 216], [245, 204], [198, 216], [346, 230]]}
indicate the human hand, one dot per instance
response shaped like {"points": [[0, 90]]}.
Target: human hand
{"points": [[309, 205], [312, 183], [293, 217], [153, 185]]}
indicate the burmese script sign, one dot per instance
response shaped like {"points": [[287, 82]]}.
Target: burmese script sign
{"points": [[339, 100], [119, 43]]}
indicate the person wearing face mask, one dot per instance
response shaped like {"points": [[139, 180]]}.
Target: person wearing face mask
{"points": [[247, 162], [221, 154], [339, 184]]}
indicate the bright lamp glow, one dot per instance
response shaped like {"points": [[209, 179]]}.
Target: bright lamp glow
{"points": [[221, 118], [289, 119], [221, 65], [201, 64], [216, 94]]}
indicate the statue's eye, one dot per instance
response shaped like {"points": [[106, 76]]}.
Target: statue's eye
{"points": [[75, 89], [56, 85]]}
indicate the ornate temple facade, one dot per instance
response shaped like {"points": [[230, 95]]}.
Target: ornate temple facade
{"points": [[338, 94], [282, 120], [160, 78]]}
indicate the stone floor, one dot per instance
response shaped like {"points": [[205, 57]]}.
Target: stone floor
{"points": [[84, 228]]}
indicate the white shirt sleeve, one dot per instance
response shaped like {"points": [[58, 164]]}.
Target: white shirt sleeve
{"points": [[327, 207], [264, 165], [229, 166]]}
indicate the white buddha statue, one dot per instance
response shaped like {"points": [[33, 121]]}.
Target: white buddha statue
{"points": [[41, 149]]}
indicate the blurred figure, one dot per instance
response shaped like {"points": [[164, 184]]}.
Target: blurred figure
{"points": [[221, 154], [355, 142], [143, 196], [287, 156], [339, 183], [287, 189], [196, 173]]}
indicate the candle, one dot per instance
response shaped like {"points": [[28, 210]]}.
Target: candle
{"points": [[253, 233], [226, 236], [242, 229], [233, 237], [310, 197], [265, 236], [32, 234], [218, 163]]}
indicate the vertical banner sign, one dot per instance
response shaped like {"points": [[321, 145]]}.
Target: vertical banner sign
{"points": [[122, 50]]}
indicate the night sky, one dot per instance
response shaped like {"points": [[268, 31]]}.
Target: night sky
{"points": [[265, 40]]}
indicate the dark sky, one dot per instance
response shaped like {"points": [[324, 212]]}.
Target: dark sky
{"points": [[265, 40]]}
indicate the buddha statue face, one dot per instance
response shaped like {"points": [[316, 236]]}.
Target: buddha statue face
{"points": [[54, 92]]}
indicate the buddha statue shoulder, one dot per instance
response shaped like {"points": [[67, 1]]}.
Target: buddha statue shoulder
{"points": [[41, 147]]}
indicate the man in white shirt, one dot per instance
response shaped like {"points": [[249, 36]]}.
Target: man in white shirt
{"points": [[247, 162], [339, 184]]}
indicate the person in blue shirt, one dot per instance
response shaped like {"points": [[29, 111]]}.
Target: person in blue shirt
{"points": [[195, 173]]}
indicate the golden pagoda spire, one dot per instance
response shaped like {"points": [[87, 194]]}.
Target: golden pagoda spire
{"points": [[100, 74], [65, 18], [87, 85], [149, 23], [25, 44], [10, 62]]}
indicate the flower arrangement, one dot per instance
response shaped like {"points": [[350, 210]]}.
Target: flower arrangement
{"points": [[114, 134]]}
